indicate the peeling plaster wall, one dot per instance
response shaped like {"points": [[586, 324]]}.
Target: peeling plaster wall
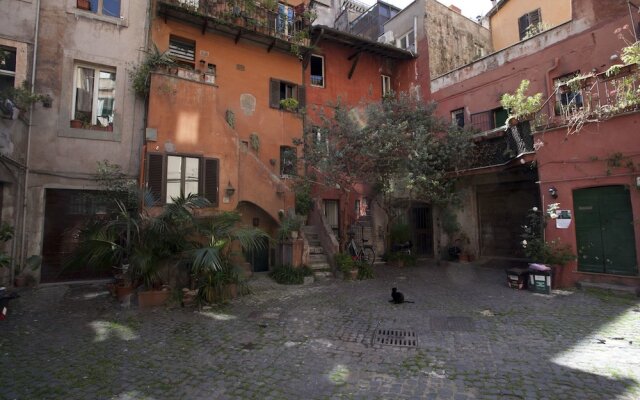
{"points": [[454, 39], [64, 157]]}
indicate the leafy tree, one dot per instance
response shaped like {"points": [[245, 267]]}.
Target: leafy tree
{"points": [[398, 147]]}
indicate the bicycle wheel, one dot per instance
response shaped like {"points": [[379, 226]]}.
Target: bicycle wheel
{"points": [[368, 255]]}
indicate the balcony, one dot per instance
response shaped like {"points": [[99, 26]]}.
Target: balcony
{"points": [[499, 146], [281, 26], [590, 98]]}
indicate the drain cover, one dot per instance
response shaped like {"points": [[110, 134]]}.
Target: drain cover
{"points": [[461, 324], [395, 337]]}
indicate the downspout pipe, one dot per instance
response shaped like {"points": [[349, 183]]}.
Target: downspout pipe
{"points": [[550, 88], [25, 191]]}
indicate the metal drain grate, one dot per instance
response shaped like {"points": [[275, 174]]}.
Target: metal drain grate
{"points": [[459, 324], [395, 337]]}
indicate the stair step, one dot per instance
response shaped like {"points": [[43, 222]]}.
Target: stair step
{"points": [[610, 287], [317, 258], [320, 266], [321, 275], [315, 249]]}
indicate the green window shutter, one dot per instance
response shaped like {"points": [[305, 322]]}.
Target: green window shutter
{"points": [[155, 176], [210, 181], [274, 93]]}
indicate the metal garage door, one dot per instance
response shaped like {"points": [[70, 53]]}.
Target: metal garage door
{"points": [[502, 210], [65, 213]]}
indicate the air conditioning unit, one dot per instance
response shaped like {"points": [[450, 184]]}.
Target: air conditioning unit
{"points": [[387, 38]]}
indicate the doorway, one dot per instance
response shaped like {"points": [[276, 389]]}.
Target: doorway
{"points": [[332, 214], [605, 237]]}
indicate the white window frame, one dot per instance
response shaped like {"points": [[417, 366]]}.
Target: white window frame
{"points": [[100, 8], [183, 178], [405, 38], [323, 74], [386, 84], [94, 100]]}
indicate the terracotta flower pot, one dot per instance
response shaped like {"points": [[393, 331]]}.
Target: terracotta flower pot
{"points": [[153, 298], [123, 291]]}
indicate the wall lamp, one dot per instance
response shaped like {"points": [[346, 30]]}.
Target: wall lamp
{"points": [[230, 190], [553, 192]]}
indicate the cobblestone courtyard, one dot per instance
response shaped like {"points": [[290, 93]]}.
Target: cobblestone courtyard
{"points": [[475, 338]]}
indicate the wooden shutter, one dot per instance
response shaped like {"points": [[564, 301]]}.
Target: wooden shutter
{"points": [[210, 181], [534, 17], [302, 101], [274, 93], [155, 176], [523, 24]]}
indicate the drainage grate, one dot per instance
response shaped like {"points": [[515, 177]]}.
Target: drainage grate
{"points": [[460, 324], [395, 337]]}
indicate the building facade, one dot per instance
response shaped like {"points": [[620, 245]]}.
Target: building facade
{"points": [[546, 160]]}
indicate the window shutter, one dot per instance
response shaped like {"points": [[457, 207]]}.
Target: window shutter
{"points": [[274, 93], [211, 181], [534, 17], [301, 97], [523, 24], [155, 176]]}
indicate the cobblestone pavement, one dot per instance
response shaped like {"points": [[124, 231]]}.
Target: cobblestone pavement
{"points": [[475, 338]]}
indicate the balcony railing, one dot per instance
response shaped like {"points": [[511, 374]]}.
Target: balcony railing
{"points": [[501, 147], [287, 23], [590, 98]]}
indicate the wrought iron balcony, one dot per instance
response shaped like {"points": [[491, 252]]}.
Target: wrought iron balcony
{"points": [[590, 98], [278, 25], [499, 146]]}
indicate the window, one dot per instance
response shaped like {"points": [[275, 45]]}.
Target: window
{"points": [[408, 41], [488, 120], [529, 22], [281, 90], [182, 175], [93, 102], [285, 20], [7, 68], [566, 98], [109, 8], [288, 160], [317, 70], [457, 117], [386, 85], [183, 51]]}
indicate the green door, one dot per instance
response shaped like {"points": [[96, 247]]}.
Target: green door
{"points": [[604, 230]]}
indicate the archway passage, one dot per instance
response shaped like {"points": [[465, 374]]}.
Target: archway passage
{"points": [[604, 230], [253, 215]]}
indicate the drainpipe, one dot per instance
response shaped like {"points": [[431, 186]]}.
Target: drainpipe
{"points": [[25, 191], [550, 82]]}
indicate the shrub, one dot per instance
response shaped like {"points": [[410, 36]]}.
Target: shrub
{"points": [[344, 262], [289, 275], [365, 271]]}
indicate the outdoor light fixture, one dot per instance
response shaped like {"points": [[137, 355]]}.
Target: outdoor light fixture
{"points": [[553, 192], [230, 190]]}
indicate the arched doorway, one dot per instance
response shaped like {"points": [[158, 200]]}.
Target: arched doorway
{"points": [[254, 215]]}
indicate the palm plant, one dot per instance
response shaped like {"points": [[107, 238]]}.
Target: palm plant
{"points": [[212, 263]]}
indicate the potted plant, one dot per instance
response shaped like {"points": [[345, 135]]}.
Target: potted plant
{"points": [[346, 265], [289, 227], [520, 106], [551, 253], [212, 259], [289, 104], [304, 201]]}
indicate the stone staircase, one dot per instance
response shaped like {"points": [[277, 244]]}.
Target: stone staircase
{"points": [[318, 261]]}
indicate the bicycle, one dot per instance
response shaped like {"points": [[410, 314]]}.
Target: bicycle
{"points": [[364, 253]]}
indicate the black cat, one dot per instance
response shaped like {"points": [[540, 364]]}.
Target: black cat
{"points": [[397, 297]]}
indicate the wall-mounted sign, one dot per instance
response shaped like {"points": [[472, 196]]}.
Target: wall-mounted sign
{"points": [[564, 219]]}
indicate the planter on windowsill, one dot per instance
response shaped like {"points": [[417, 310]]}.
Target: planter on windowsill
{"points": [[84, 5]]}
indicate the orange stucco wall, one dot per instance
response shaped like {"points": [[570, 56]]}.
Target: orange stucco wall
{"points": [[504, 23], [364, 87], [191, 117]]}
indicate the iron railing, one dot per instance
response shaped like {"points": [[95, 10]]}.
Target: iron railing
{"points": [[505, 145], [284, 22], [590, 98]]}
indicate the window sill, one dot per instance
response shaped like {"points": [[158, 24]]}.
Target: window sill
{"points": [[119, 21], [92, 134]]}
